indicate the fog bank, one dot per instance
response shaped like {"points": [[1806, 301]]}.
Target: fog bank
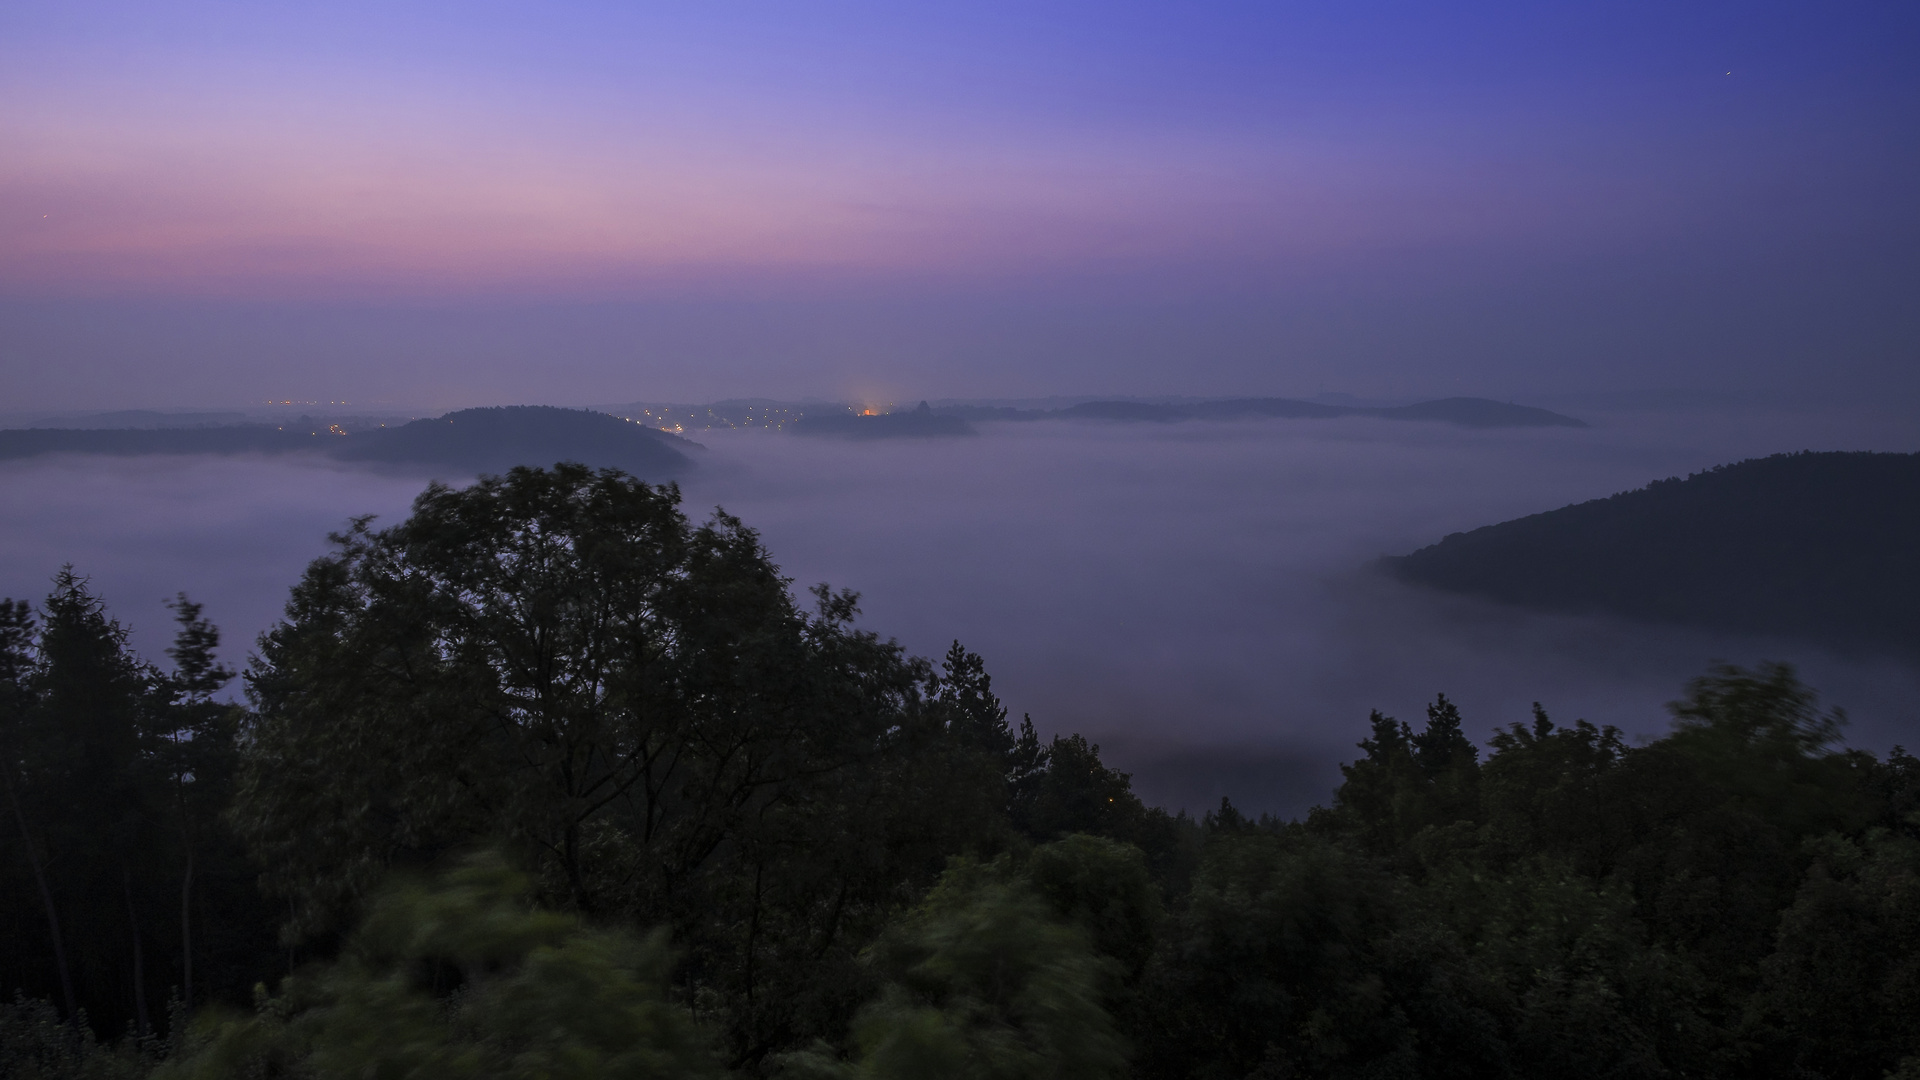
{"points": [[1196, 597]]}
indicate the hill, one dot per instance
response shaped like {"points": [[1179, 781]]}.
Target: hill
{"points": [[1463, 411], [919, 423], [1813, 545], [1476, 412], [144, 418], [235, 439], [495, 440], [473, 440]]}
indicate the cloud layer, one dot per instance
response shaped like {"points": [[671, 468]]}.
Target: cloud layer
{"points": [[1194, 597]]}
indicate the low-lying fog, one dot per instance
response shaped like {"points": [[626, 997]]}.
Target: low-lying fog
{"points": [[1195, 597]]}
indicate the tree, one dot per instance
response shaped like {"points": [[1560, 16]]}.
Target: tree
{"points": [[1273, 961], [1409, 781], [458, 977], [1102, 886], [83, 802], [116, 775], [984, 981], [975, 715], [1719, 814], [1841, 992], [1543, 785], [17, 708], [1063, 787], [36, 1044], [192, 746], [558, 661]]}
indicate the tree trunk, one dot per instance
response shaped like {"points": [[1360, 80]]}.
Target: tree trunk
{"points": [[186, 932], [186, 890], [46, 896], [144, 1022]]}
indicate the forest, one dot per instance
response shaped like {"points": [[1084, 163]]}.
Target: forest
{"points": [[1462, 411], [550, 780], [467, 441], [1812, 546]]}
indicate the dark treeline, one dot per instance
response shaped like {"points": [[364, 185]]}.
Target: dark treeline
{"points": [[1463, 411], [1831, 535], [468, 441], [921, 422], [548, 780], [926, 421], [124, 885]]}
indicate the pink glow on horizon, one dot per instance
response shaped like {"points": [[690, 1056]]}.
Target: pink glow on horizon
{"points": [[199, 195]]}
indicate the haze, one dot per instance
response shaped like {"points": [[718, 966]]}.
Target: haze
{"points": [[1196, 597]]}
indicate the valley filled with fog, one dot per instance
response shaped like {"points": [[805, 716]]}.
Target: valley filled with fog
{"points": [[1196, 597]]}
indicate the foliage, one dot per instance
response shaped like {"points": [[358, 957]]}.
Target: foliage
{"points": [[864, 870], [1061, 787], [1842, 986], [987, 980], [1816, 546], [1104, 887], [36, 1044], [560, 662], [458, 977], [116, 865], [1410, 781], [1719, 902]]}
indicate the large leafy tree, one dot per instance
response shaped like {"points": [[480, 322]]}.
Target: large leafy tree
{"points": [[560, 661]]}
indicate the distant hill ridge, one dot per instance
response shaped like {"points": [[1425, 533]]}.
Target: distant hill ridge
{"points": [[144, 418], [918, 423], [816, 418], [1463, 411], [490, 440], [1820, 546]]}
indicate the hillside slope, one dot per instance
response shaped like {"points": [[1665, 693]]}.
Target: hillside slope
{"points": [[470, 441], [126, 442], [496, 439], [1821, 546], [1461, 411]]}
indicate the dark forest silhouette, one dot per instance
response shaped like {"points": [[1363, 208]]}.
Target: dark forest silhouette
{"points": [[549, 780], [1810, 545], [916, 423], [470, 441], [1462, 411]]}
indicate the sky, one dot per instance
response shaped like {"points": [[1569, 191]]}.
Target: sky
{"points": [[419, 205]]}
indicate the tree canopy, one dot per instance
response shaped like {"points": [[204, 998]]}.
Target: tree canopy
{"points": [[549, 780]]}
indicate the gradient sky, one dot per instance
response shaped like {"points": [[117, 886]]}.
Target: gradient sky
{"points": [[419, 205]]}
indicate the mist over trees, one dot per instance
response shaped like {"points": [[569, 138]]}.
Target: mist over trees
{"points": [[550, 780]]}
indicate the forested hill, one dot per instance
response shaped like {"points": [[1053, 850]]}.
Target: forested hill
{"points": [[918, 423], [472, 440], [495, 440], [1462, 411], [1813, 545], [232, 439]]}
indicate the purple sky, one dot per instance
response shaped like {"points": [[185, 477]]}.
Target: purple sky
{"points": [[420, 205]]}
